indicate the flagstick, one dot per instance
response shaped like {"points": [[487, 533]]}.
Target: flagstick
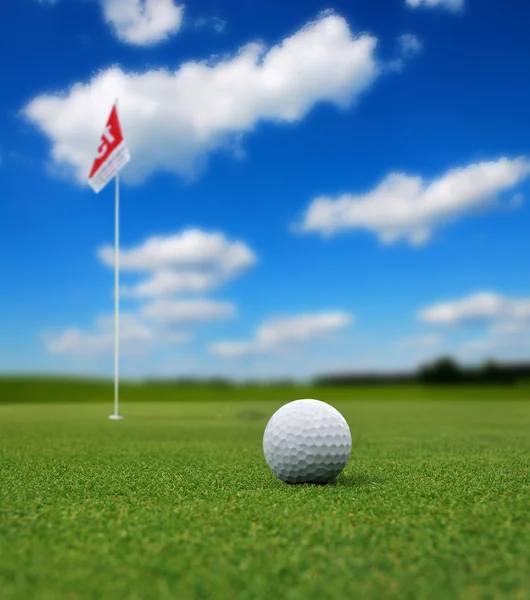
{"points": [[112, 154], [116, 414]]}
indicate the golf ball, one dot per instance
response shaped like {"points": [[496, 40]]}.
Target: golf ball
{"points": [[307, 441]]}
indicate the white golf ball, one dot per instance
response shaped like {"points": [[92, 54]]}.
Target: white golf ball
{"points": [[307, 441]]}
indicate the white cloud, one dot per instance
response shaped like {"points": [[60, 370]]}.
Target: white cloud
{"points": [[504, 343], [136, 337], [451, 5], [190, 261], [165, 283], [172, 119], [278, 334], [217, 24], [485, 306], [190, 248], [143, 22], [406, 207], [187, 311], [504, 321], [409, 44]]}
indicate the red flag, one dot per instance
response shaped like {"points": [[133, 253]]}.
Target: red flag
{"points": [[112, 153]]}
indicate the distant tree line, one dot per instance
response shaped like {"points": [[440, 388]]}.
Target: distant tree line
{"points": [[444, 371], [217, 382], [190, 381]]}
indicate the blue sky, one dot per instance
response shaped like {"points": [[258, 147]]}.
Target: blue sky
{"points": [[313, 187]]}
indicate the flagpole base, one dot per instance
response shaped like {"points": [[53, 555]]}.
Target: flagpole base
{"points": [[115, 417]]}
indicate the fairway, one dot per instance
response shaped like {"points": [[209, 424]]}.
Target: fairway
{"points": [[177, 502]]}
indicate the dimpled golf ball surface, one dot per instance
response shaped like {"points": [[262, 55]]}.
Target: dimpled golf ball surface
{"points": [[307, 441]]}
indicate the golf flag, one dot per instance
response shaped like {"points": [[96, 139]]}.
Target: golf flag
{"points": [[112, 153]]}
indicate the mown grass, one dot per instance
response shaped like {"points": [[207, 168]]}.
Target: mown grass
{"points": [[58, 390], [177, 502]]}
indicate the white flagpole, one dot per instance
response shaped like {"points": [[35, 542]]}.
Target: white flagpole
{"points": [[116, 414]]}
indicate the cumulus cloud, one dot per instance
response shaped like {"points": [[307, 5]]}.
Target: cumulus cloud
{"points": [[165, 283], [140, 22], [502, 312], [136, 337], [188, 311], [277, 334], [143, 22], [451, 5], [409, 45], [173, 118], [410, 208], [504, 325], [510, 342], [192, 260], [190, 248]]}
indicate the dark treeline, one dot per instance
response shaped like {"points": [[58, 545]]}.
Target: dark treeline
{"points": [[444, 371], [218, 382], [191, 381]]}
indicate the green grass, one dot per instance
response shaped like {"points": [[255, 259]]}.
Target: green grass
{"points": [[177, 502], [58, 390]]}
